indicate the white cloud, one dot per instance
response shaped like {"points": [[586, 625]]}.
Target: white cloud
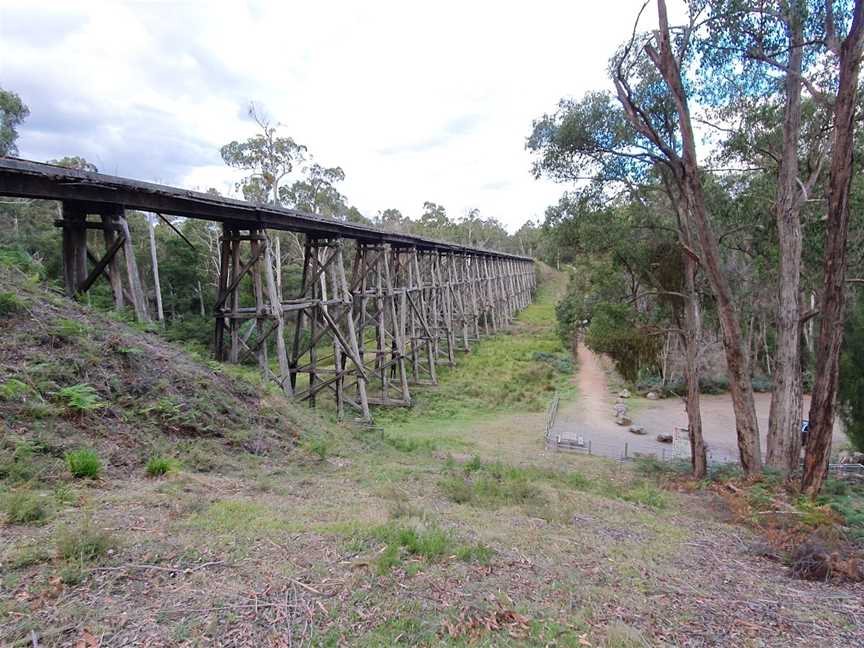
{"points": [[415, 101]]}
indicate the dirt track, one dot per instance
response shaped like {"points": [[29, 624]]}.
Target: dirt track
{"points": [[591, 416]]}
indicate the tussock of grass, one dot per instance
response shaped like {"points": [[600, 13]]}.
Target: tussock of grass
{"points": [[158, 466], [24, 507], [318, 446], [83, 543], [493, 485], [408, 444], [427, 543], [84, 463]]}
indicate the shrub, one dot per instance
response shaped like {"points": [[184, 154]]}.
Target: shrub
{"points": [[84, 463], [158, 466], [850, 392], [24, 507], [81, 398], [10, 304], [84, 542]]}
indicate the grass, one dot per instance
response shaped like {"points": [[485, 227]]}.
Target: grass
{"points": [[519, 369], [424, 543], [10, 304], [25, 507], [319, 447], [68, 329], [157, 466], [495, 485], [83, 542], [84, 463], [239, 520]]}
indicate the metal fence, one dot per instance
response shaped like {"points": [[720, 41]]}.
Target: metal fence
{"points": [[643, 447]]}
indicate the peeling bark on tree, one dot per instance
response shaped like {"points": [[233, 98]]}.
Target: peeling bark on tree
{"points": [[833, 302], [784, 422], [688, 177]]}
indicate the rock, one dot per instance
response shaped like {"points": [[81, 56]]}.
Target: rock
{"points": [[637, 429], [664, 438], [623, 420], [652, 396], [625, 393]]}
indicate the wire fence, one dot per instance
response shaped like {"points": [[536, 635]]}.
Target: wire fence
{"points": [[639, 447]]}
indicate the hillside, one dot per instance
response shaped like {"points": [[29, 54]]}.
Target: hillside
{"points": [[224, 515]]}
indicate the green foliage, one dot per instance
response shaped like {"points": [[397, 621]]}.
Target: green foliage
{"points": [[475, 554], [157, 466], [24, 507], [846, 499], [83, 542], [18, 466], [407, 444], [13, 112], [10, 303], [615, 332], [494, 485], [318, 446], [430, 543], [68, 329], [81, 398], [84, 463], [17, 257], [13, 390], [641, 493], [562, 362], [813, 513], [850, 389]]}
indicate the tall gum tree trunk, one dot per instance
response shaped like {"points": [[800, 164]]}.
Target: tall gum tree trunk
{"points": [[693, 330], [737, 359], [784, 438], [833, 302], [690, 337]]}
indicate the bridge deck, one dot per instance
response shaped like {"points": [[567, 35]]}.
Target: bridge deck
{"points": [[27, 179]]}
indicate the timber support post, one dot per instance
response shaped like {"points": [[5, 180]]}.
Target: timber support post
{"points": [[115, 231]]}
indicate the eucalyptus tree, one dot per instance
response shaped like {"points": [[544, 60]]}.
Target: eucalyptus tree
{"points": [[756, 59], [268, 156], [658, 61], [316, 192], [846, 51], [594, 140], [13, 112]]}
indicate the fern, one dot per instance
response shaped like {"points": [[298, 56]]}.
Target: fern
{"points": [[81, 398]]}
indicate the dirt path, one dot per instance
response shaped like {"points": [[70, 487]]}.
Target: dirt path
{"points": [[591, 416]]}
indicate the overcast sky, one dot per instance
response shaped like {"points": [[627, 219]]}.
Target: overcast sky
{"points": [[415, 101]]}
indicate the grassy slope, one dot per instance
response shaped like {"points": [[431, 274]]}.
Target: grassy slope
{"points": [[376, 538]]}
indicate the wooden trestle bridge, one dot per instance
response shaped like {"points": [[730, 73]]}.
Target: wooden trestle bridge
{"points": [[369, 320]]}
